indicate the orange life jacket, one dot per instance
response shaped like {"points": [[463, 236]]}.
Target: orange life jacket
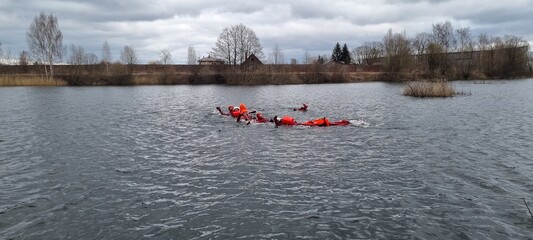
{"points": [[318, 122], [288, 121], [243, 108], [235, 113]]}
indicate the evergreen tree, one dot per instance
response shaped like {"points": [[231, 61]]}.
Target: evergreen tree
{"points": [[320, 60], [345, 55], [336, 56]]}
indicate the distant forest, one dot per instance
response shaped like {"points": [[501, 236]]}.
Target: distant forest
{"points": [[444, 53]]}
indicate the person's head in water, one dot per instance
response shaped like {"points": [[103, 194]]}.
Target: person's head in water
{"points": [[303, 109]]}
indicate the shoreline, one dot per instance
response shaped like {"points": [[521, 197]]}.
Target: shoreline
{"points": [[146, 79], [234, 79]]}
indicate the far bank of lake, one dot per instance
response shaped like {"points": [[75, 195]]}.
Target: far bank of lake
{"points": [[118, 74]]}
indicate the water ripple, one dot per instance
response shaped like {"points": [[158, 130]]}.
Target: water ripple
{"points": [[160, 163]]}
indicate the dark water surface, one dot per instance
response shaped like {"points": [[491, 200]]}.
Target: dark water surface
{"points": [[159, 162]]}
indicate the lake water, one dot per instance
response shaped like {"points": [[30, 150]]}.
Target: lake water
{"points": [[159, 162]]}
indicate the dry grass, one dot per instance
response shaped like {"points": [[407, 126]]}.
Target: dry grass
{"points": [[429, 89], [146, 79], [160, 79], [29, 80]]}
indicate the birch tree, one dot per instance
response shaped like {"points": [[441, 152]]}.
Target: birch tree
{"points": [[191, 56], [45, 40], [106, 57]]}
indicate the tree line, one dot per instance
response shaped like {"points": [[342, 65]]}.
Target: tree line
{"points": [[448, 53], [443, 52]]}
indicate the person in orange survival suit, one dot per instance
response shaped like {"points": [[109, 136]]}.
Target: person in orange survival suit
{"points": [[243, 112], [260, 118], [324, 122], [303, 108], [233, 111], [319, 122], [285, 121]]}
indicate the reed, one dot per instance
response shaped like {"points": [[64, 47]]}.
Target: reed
{"points": [[160, 79], [430, 89], [29, 80]]}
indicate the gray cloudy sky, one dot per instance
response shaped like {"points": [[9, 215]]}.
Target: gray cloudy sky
{"points": [[295, 25]]}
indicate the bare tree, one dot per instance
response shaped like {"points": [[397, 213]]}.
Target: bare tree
{"points": [[397, 51], [45, 40], [192, 57], [358, 55], [77, 55], [236, 43], [1, 54], [165, 56], [371, 52], [420, 43], [106, 57], [307, 59], [277, 56], [24, 58], [128, 56], [483, 42], [8, 55], [513, 55], [530, 61], [434, 55], [443, 34], [79, 59], [494, 44], [92, 58], [106, 53], [466, 48]]}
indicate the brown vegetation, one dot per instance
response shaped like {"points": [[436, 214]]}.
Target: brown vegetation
{"points": [[30, 80], [429, 89]]}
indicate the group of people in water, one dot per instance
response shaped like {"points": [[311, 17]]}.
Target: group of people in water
{"points": [[242, 113]]}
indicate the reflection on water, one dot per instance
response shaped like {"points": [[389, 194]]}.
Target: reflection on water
{"points": [[159, 162]]}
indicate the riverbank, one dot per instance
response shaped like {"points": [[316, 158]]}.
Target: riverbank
{"points": [[30, 80], [231, 78], [119, 74]]}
